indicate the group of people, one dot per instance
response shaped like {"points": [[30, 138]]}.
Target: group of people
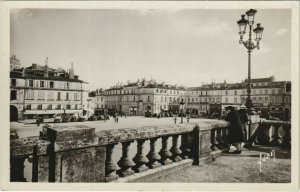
{"points": [[237, 130]]}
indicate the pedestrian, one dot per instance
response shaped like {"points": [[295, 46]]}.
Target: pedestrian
{"points": [[235, 129], [244, 118], [114, 116], [117, 118], [38, 122]]}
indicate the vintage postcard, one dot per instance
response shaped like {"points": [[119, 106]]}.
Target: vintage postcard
{"points": [[150, 95]]}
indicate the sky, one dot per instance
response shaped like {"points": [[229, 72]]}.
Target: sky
{"points": [[176, 46]]}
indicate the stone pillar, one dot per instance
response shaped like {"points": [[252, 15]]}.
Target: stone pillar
{"points": [[175, 149], [110, 165], [17, 169], [125, 163], [287, 137], [74, 155], [164, 152], [140, 159], [153, 156]]}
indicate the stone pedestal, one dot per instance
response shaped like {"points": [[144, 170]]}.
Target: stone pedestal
{"points": [[74, 155]]}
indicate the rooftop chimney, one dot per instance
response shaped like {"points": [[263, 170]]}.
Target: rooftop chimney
{"points": [[71, 72], [46, 68]]}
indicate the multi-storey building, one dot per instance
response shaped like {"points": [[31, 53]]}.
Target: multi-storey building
{"points": [[140, 97], [268, 96], [44, 91]]}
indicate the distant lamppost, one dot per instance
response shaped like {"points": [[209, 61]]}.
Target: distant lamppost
{"points": [[181, 109], [250, 45]]}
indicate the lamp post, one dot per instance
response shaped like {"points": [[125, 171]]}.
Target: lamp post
{"points": [[250, 45], [181, 108]]}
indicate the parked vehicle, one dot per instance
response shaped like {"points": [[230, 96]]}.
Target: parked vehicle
{"points": [[39, 118]]}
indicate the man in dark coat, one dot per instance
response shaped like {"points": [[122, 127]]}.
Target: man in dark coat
{"points": [[244, 118], [235, 129]]}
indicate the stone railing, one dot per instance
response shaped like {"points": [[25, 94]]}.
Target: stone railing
{"points": [[85, 154], [274, 133]]}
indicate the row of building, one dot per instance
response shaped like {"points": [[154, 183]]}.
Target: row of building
{"points": [[41, 90], [269, 97]]}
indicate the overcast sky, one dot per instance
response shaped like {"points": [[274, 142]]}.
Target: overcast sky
{"points": [[184, 47]]}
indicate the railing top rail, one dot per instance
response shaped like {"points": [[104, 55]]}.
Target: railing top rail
{"points": [[275, 122]]}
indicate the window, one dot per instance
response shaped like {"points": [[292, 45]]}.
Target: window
{"points": [[58, 107], [101, 98], [189, 99], [29, 95], [58, 96], [76, 106], [260, 98], [28, 107], [67, 96], [42, 83], [266, 91], [254, 98], [50, 106], [13, 95], [192, 99], [30, 83], [266, 98], [40, 107], [68, 106], [51, 84], [41, 95], [226, 99], [75, 97], [13, 82], [235, 92], [68, 85], [148, 98], [226, 92], [235, 100]]}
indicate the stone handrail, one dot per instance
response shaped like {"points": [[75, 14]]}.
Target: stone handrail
{"points": [[84, 154]]}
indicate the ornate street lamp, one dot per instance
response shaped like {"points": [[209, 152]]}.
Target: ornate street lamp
{"points": [[181, 109], [250, 45]]}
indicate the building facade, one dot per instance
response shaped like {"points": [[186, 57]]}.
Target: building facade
{"points": [[140, 97], [269, 97], [44, 91]]}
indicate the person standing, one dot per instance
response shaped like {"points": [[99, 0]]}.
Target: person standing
{"points": [[244, 118], [235, 129]]}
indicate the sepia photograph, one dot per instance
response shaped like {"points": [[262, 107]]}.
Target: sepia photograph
{"points": [[153, 94]]}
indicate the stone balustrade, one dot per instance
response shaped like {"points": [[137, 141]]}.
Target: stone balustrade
{"points": [[274, 133], [84, 154]]}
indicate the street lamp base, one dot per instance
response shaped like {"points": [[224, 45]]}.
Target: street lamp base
{"points": [[249, 103]]}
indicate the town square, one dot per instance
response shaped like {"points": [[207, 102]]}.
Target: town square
{"points": [[152, 95]]}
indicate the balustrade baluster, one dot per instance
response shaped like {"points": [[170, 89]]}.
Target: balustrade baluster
{"points": [[164, 152], [225, 137], [175, 149], [140, 159], [153, 156], [17, 170], [125, 163], [219, 138], [214, 142], [275, 137], [184, 146], [110, 165]]}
